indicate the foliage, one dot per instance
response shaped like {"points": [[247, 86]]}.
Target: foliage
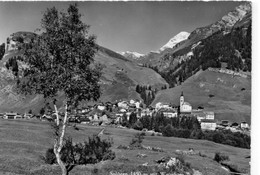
{"points": [[220, 157], [124, 121], [59, 59], [50, 157], [138, 125], [189, 127], [146, 93], [42, 111], [2, 50], [233, 48], [132, 119], [136, 141], [227, 137], [89, 152]]}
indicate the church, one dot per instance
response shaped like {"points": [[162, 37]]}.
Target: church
{"points": [[185, 107]]}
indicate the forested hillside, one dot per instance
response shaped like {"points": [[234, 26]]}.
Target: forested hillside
{"points": [[232, 48]]}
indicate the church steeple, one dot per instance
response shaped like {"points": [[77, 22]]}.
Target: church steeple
{"points": [[181, 99]]}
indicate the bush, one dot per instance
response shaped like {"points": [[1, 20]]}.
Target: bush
{"points": [[220, 157], [50, 157], [202, 155], [110, 155], [122, 147], [168, 131], [143, 134], [137, 141], [138, 126], [93, 151], [211, 95]]}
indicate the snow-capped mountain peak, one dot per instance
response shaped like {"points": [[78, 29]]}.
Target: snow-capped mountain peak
{"points": [[175, 40], [133, 55]]}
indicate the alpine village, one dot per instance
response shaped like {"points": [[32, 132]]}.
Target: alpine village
{"points": [[71, 106]]}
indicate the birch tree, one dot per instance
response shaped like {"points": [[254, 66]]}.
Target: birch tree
{"points": [[60, 61]]}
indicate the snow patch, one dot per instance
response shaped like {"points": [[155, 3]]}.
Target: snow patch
{"points": [[134, 55], [175, 40]]}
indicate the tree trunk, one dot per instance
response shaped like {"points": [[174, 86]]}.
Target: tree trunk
{"points": [[57, 115], [59, 144], [58, 157]]}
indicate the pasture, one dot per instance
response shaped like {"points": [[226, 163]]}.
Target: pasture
{"points": [[23, 142]]}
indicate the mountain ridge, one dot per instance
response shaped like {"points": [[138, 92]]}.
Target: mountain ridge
{"points": [[120, 76]]}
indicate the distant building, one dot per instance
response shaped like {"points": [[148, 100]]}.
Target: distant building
{"points": [[169, 112], [10, 115], [225, 123], [244, 125], [101, 107], [122, 104], [234, 125], [200, 115], [209, 115], [185, 107], [206, 124]]}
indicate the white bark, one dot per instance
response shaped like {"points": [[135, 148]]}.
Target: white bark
{"points": [[59, 143], [57, 115], [64, 125]]}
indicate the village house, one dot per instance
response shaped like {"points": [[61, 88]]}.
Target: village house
{"points": [[200, 115], [207, 124], [209, 115], [206, 119], [234, 125], [169, 112], [161, 105], [10, 115], [145, 112], [27, 116], [224, 123], [244, 125], [123, 104]]}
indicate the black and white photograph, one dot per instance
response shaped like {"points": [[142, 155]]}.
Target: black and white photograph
{"points": [[126, 88]]}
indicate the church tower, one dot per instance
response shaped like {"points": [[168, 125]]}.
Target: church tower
{"points": [[181, 99]]}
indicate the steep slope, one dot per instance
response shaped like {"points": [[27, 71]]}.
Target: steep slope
{"points": [[231, 98], [225, 24], [120, 76]]}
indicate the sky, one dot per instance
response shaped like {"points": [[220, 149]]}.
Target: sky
{"points": [[121, 26]]}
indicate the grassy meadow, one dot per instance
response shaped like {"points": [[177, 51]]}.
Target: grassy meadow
{"points": [[23, 142]]}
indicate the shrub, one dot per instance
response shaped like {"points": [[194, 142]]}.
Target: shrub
{"points": [[109, 155], [197, 134], [50, 157], [138, 126], [202, 155], [137, 141], [95, 170], [211, 95], [89, 152], [220, 157], [142, 134], [168, 131], [122, 147]]}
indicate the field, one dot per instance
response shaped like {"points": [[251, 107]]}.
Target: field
{"points": [[23, 142]]}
